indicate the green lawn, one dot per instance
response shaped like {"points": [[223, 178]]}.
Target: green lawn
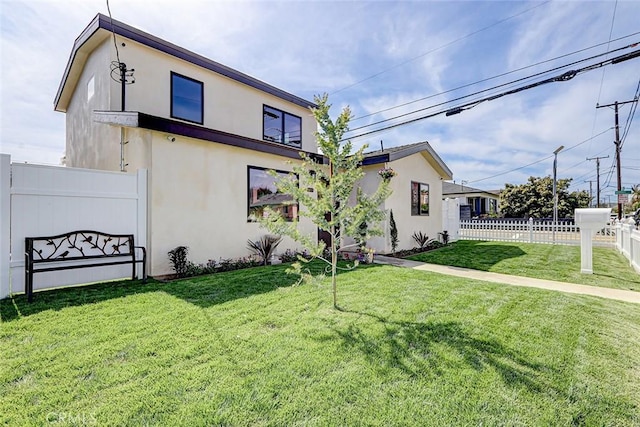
{"points": [[246, 348], [554, 262]]}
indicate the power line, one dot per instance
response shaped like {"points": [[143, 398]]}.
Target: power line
{"points": [[632, 112], [496, 87], [512, 170], [560, 78], [538, 161], [496, 76], [438, 48], [595, 115]]}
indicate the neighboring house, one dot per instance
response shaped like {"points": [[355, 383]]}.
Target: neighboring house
{"points": [[416, 200], [206, 133], [474, 202]]}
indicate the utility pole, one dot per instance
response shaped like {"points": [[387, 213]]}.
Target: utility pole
{"points": [[590, 191], [597, 159], [617, 142]]}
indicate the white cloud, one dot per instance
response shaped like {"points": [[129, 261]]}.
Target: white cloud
{"points": [[313, 47]]}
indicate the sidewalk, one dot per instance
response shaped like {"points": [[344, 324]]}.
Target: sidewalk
{"points": [[617, 294]]}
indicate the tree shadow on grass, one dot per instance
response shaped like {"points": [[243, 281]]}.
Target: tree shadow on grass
{"points": [[430, 349], [626, 280], [474, 254], [203, 291]]}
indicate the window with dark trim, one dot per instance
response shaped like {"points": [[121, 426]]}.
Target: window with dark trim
{"points": [[262, 193], [187, 98], [281, 127], [419, 198]]}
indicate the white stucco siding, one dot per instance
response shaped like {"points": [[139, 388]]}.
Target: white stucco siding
{"points": [[412, 168], [229, 106], [415, 168], [199, 198], [90, 145]]}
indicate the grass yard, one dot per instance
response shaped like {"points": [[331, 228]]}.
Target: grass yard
{"points": [[245, 348], [553, 262]]}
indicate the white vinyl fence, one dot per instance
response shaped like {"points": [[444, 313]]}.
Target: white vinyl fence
{"points": [[531, 231], [628, 241], [451, 218], [48, 200]]}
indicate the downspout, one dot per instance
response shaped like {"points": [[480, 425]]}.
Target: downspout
{"points": [[123, 82]]}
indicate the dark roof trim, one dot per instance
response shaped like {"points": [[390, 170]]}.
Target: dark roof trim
{"points": [[453, 188], [396, 153], [104, 22], [373, 160], [145, 121]]}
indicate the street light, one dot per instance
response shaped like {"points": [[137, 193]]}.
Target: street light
{"points": [[555, 195]]}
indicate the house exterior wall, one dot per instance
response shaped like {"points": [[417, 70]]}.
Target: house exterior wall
{"points": [[197, 190], [90, 145], [412, 168], [481, 203], [229, 106], [198, 197]]}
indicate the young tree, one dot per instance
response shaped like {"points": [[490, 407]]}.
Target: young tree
{"points": [[328, 206]]}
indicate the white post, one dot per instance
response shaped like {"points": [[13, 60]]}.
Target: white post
{"points": [[589, 220], [142, 235], [530, 230], [586, 251], [5, 225]]}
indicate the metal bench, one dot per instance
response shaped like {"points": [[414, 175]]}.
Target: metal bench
{"points": [[72, 250]]}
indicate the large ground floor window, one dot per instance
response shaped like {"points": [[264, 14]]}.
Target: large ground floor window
{"points": [[263, 193]]}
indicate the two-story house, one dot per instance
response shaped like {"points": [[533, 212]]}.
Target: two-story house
{"points": [[206, 133]]}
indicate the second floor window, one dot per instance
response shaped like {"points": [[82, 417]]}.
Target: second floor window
{"points": [[187, 98], [281, 127]]}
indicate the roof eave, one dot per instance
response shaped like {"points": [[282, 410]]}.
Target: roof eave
{"points": [[135, 119], [83, 46], [424, 148]]}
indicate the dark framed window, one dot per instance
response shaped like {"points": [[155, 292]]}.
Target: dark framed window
{"points": [[263, 192], [187, 98], [281, 127], [419, 198]]}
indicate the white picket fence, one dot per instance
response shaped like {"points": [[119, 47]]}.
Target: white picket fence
{"points": [[531, 231], [628, 241], [40, 200]]}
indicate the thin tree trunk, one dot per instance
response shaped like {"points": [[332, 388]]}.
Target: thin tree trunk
{"points": [[334, 262], [334, 245]]}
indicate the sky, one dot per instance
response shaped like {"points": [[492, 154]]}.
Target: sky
{"points": [[383, 60]]}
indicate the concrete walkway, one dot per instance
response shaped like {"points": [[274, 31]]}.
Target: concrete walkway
{"points": [[617, 294]]}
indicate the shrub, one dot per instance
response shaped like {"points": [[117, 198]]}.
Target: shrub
{"points": [[421, 239], [264, 246], [434, 244], [179, 261], [292, 256], [394, 232]]}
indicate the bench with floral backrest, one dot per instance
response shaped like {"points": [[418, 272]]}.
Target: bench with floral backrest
{"points": [[80, 249]]}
